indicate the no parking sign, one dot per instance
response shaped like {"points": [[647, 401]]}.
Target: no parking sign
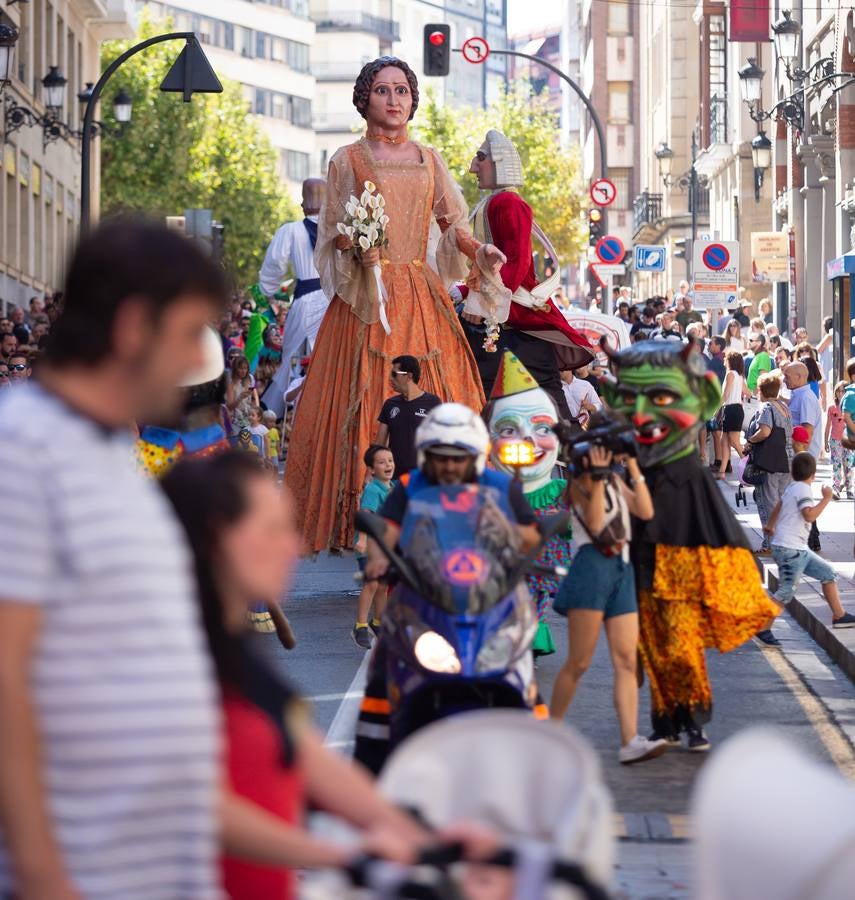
{"points": [[715, 266]]}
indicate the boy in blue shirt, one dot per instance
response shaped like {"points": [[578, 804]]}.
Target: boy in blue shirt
{"points": [[382, 465]]}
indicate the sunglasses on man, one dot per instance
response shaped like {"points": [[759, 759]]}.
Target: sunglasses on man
{"points": [[18, 367]]}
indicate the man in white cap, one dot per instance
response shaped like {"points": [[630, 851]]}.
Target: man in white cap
{"points": [[294, 245], [535, 330]]}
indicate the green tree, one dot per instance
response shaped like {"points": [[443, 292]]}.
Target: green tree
{"points": [[208, 153], [553, 181]]}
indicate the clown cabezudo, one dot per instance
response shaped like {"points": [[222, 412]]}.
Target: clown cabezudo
{"points": [[698, 585]]}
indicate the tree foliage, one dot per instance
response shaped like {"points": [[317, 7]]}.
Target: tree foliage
{"points": [[553, 181], [207, 154]]}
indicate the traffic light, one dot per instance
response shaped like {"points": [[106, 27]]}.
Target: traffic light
{"points": [[595, 226], [437, 49], [679, 248]]}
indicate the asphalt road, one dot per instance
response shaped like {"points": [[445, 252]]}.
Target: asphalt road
{"points": [[798, 690]]}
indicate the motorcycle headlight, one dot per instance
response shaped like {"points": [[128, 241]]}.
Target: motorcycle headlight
{"points": [[434, 652], [514, 637]]}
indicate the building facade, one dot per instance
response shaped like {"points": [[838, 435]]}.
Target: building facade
{"points": [[39, 178], [669, 208], [267, 47], [610, 78]]}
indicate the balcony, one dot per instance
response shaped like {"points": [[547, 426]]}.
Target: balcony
{"points": [[385, 29], [324, 71], [646, 209]]}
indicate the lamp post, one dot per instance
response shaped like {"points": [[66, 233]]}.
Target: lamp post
{"points": [[687, 181], [191, 73]]}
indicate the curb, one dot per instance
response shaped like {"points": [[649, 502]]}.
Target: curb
{"points": [[825, 636]]}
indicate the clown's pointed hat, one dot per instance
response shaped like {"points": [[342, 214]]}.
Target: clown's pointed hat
{"points": [[512, 378]]}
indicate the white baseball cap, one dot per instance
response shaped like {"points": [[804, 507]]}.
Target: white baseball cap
{"points": [[213, 364]]}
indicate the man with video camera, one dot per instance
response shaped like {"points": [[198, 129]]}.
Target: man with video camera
{"points": [[600, 587]]}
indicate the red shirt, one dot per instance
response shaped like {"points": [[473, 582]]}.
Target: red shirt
{"points": [[257, 772]]}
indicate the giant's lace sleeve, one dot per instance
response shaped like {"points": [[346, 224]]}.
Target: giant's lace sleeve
{"points": [[459, 256], [340, 271]]}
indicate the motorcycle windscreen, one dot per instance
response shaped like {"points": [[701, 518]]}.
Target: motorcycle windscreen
{"points": [[462, 545]]}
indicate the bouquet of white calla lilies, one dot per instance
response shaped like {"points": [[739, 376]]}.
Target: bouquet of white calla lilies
{"points": [[365, 224]]}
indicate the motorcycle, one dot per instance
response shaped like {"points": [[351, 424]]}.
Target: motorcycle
{"points": [[458, 628]]}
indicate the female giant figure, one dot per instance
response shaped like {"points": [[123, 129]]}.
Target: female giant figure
{"points": [[347, 380]]}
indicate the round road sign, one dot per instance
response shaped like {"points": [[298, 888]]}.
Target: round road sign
{"points": [[610, 249], [716, 257], [475, 50], [603, 192]]}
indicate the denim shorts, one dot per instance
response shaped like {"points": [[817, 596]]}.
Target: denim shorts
{"points": [[792, 564], [604, 583]]}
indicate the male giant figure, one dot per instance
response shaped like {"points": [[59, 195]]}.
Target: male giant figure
{"points": [[534, 335], [294, 244]]}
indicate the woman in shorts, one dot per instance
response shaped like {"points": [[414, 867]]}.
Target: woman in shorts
{"points": [[600, 591]]}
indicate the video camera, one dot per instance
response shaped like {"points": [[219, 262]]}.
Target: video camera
{"points": [[608, 431]]}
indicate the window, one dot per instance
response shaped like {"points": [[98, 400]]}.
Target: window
{"points": [[713, 77], [228, 36], [621, 179], [262, 45], [619, 21], [245, 36], [620, 97], [296, 165], [298, 56], [262, 103]]}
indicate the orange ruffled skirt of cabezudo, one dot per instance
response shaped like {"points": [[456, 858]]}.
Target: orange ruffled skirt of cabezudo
{"points": [[702, 597]]}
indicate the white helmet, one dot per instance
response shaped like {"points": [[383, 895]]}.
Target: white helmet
{"points": [[452, 428]]}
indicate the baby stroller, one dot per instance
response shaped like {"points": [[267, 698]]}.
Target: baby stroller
{"points": [[537, 784]]}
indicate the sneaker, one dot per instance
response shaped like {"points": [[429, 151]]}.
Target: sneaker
{"points": [[763, 551], [847, 620], [375, 628], [766, 637], [640, 749], [672, 740], [362, 637], [836, 495], [698, 741]]}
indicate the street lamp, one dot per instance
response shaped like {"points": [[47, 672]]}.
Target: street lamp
{"points": [[122, 107], [787, 32], [665, 156], [761, 157], [54, 91], [750, 81], [191, 73], [8, 39]]}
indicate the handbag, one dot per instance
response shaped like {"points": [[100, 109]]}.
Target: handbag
{"points": [[771, 455], [752, 474]]}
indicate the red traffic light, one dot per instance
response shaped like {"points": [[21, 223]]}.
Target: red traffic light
{"points": [[437, 38]]}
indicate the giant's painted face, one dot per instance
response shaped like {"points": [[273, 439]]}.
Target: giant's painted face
{"points": [[667, 407], [528, 416]]}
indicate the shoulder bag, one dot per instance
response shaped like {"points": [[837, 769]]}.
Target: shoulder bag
{"points": [[771, 455]]}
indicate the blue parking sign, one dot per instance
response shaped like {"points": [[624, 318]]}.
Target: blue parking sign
{"points": [[649, 258]]}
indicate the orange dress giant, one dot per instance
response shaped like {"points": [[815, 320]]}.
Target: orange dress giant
{"points": [[348, 377]]}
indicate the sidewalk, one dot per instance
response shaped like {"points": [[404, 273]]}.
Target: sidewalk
{"points": [[809, 609]]}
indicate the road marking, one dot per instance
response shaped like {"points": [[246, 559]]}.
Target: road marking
{"points": [[343, 725], [836, 743], [329, 698]]}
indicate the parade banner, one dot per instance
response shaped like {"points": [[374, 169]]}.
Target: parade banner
{"points": [[770, 256]]}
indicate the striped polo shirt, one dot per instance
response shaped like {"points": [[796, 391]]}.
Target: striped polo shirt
{"points": [[124, 695]]}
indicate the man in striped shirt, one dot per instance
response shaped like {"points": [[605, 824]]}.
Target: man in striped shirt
{"points": [[109, 754]]}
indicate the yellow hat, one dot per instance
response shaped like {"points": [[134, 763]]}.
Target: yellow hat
{"points": [[512, 378]]}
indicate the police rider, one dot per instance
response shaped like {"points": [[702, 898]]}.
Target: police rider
{"points": [[452, 445]]}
